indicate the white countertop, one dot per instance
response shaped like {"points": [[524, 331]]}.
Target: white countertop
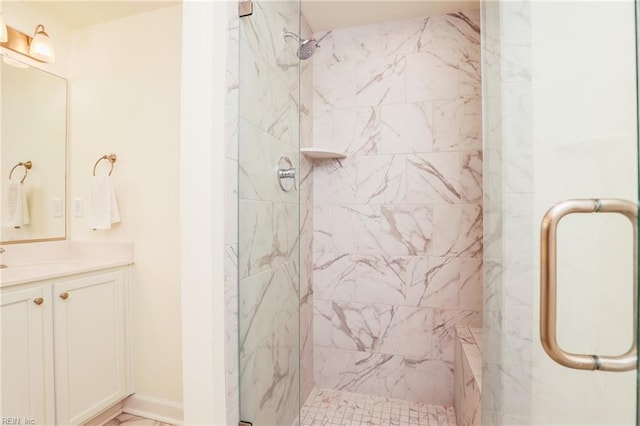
{"points": [[40, 261]]}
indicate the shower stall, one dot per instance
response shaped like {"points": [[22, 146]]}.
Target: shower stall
{"points": [[269, 267], [393, 176]]}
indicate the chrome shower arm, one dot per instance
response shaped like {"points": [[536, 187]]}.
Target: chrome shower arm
{"points": [[286, 34]]}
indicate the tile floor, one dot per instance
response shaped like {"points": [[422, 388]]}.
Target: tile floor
{"points": [[330, 407], [131, 420]]}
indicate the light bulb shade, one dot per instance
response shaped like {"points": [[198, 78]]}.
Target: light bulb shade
{"points": [[4, 33], [41, 47]]}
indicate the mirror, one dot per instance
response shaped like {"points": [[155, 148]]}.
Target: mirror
{"points": [[33, 117]]}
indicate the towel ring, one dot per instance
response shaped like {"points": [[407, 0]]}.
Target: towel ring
{"points": [[112, 159], [27, 166]]}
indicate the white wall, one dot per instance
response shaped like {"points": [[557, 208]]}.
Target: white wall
{"points": [[125, 99], [204, 94]]}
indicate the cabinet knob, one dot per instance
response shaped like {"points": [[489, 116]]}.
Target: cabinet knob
{"points": [[39, 301], [64, 296]]}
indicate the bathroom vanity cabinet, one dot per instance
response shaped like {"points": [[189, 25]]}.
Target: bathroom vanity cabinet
{"points": [[66, 347]]}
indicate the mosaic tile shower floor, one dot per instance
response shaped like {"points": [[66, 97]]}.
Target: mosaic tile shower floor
{"points": [[330, 407]]}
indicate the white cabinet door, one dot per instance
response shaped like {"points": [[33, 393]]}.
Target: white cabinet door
{"points": [[26, 357], [90, 345]]}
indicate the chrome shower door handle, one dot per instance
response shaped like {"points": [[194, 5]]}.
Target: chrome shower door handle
{"points": [[548, 285]]}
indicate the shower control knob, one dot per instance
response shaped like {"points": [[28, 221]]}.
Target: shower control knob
{"points": [[286, 174]]}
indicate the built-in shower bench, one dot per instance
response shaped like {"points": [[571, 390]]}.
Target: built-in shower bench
{"points": [[467, 375]]}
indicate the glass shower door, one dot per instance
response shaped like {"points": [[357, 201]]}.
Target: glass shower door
{"points": [[561, 119], [268, 215]]}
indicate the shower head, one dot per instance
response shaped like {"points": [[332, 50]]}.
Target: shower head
{"points": [[306, 48]]}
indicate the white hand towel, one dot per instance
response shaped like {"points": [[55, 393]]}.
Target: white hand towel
{"points": [[103, 206], [18, 209]]}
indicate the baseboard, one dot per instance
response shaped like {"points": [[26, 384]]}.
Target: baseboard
{"points": [[153, 408], [105, 416]]}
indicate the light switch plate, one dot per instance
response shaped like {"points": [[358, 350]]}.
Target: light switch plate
{"points": [[78, 207]]}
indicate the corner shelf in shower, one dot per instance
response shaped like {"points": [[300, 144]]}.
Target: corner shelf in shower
{"points": [[322, 154]]}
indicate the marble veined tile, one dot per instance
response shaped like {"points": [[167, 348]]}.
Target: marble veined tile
{"points": [[401, 37], [445, 322], [442, 81], [306, 348], [262, 34], [459, 230], [381, 179], [335, 182], [269, 384], [410, 333], [323, 56], [445, 177], [231, 370], [350, 325], [334, 86], [231, 116], [396, 229], [398, 224], [407, 128], [267, 100], [348, 226], [370, 373], [231, 201], [231, 286], [334, 276], [457, 124], [268, 306], [470, 71], [264, 236], [434, 282], [429, 380], [381, 81], [381, 279], [323, 229], [323, 129], [471, 283], [453, 30], [355, 131], [355, 43], [467, 384], [257, 160], [379, 328]]}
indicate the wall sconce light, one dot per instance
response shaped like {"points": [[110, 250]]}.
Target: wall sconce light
{"points": [[38, 47], [41, 47], [4, 34]]}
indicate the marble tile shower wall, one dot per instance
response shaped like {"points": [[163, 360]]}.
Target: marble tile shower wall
{"points": [[268, 263], [306, 224], [397, 224], [509, 257]]}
